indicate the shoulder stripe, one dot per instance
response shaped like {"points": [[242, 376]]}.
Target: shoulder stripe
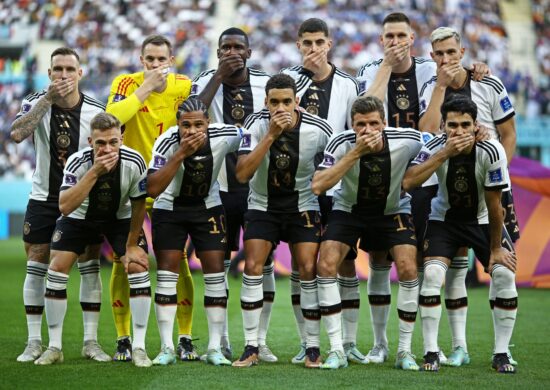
{"points": [[491, 150], [492, 82], [34, 96], [79, 161], [122, 85], [316, 121], [93, 102], [368, 65], [133, 156], [203, 74], [430, 81], [339, 140], [250, 119], [166, 143], [258, 72], [435, 142]]}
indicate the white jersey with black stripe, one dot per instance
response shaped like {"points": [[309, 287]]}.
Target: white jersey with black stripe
{"points": [[489, 94], [232, 105], [60, 133], [463, 180], [372, 186], [195, 184], [342, 94], [282, 182], [128, 183]]}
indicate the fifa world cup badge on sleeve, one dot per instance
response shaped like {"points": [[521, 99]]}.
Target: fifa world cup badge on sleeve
{"points": [[246, 141], [328, 161], [495, 176], [70, 179], [159, 161]]}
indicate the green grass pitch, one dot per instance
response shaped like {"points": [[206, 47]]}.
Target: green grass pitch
{"points": [[531, 339]]}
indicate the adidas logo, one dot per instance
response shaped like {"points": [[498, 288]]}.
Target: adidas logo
{"points": [[185, 302], [117, 303]]}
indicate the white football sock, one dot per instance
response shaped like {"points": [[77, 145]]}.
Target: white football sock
{"points": [[56, 305], [310, 310], [269, 296], [430, 303], [379, 292], [252, 298], [90, 297], [456, 300], [407, 306], [330, 307], [295, 295], [349, 294], [34, 289], [215, 304], [506, 304], [140, 306], [166, 300]]}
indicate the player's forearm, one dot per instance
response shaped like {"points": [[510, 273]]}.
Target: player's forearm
{"points": [[71, 198], [379, 87], [416, 175], [327, 178], [508, 139], [158, 181], [136, 222], [210, 90], [125, 110], [431, 120], [248, 164], [25, 125], [496, 217]]}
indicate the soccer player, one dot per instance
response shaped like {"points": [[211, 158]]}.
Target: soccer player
{"points": [[58, 118], [370, 160], [397, 79], [102, 194], [466, 212], [146, 103], [277, 158], [329, 93], [233, 91], [496, 114], [183, 178]]}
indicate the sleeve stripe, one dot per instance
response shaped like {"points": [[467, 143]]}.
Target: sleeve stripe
{"points": [[492, 82], [166, 143], [263, 114], [257, 72], [122, 85], [415, 134], [346, 76], [93, 102], [435, 142], [404, 136], [339, 140], [510, 115], [132, 156], [312, 120], [491, 150], [34, 96], [204, 74], [79, 161], [432, 80]]}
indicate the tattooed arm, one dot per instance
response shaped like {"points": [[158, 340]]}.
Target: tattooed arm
{"points": [[24, 126]]}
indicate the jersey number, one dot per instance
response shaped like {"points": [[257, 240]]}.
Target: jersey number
{"points": [[215, 229], [161, 127], [409, 119]]}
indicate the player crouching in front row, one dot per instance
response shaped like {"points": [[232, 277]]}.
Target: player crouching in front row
{"points": [[182, 177], [466, 212], [102, 194]]}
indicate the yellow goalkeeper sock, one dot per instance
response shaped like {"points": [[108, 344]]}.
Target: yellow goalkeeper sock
{"points": [[186, 293], [120, 298]]}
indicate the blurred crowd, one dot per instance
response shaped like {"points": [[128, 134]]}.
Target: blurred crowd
{"points": [[108, 35]]}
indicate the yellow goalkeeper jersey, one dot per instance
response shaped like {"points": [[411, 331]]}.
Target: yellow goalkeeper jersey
{"points": [[143, 123]]}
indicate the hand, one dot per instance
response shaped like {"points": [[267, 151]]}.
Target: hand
{"points": [[156, 78], [315, 61], [58, 89], [190, 143], [480, 70], [229, 64], [135, 254], [394, 54], [105, 163], [482, 133], [367, 141], [280, 121], [503, 257], [456, 144], [447, 73]]}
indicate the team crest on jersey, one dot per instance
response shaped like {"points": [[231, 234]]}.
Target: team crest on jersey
{"points": [[70, 179], [282, 161], [57, 236], [461, 185], [25, 108], [118, 98], [63, 141], [495, 176], [505, 104], [142, 184], [26, 228], [403, 103], [328, 161], [159, 161], [246, 142]]}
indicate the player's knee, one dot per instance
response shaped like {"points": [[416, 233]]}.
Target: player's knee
{"points": [[326, 268], [503, 279], [407, 271], [134, 268], [307, 270], [433, 275]]}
